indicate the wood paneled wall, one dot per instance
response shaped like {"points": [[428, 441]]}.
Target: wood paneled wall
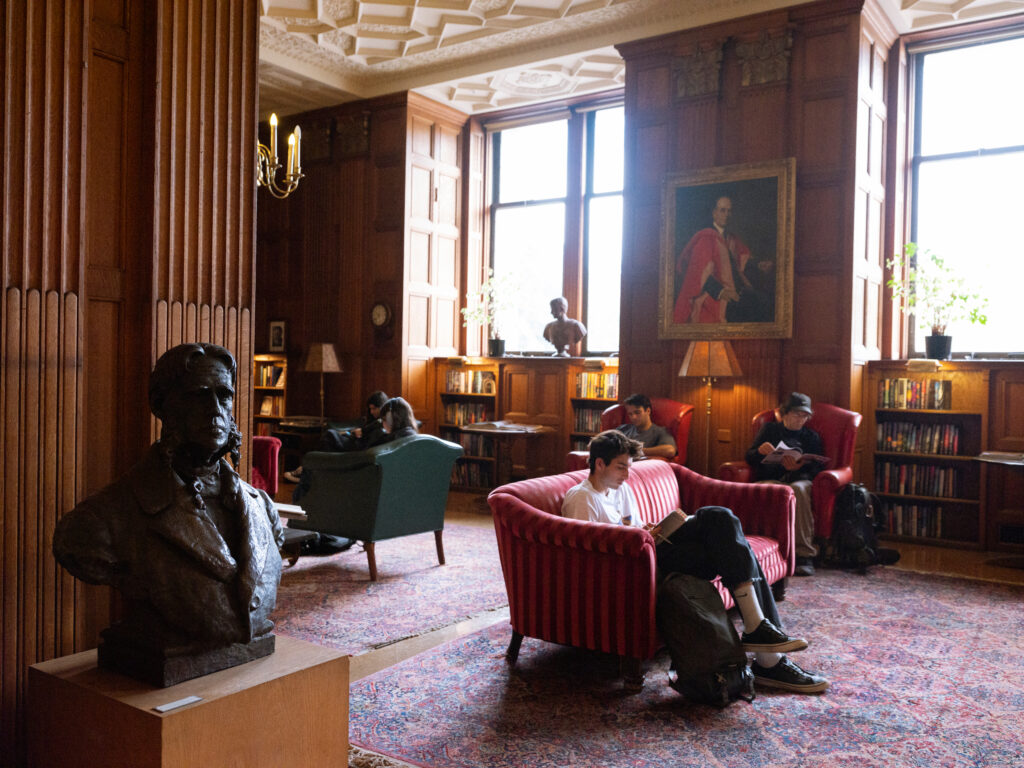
{"points": [[127, 216], [826, 108], [377, 218]]}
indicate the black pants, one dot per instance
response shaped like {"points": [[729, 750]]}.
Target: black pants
{"points": [[711, 543]]}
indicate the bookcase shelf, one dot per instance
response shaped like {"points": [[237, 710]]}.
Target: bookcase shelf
{"points": [[468, 394], [270, 385], [924, 431]]}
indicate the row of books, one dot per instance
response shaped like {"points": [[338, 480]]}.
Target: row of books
{"points": [[473, 444], [472, 473], [270, 375], [263, 428], [603, 385], [465, 413], [587, 420], [936, 394], [473, 382], [917, 479], [914, 520], [272, 405], [907, 437], [581, 444]]}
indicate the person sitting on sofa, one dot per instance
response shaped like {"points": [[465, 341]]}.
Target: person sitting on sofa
{"points": [[397, 419], [358, 439], [710, 543], [655, 439], [791, 428]]}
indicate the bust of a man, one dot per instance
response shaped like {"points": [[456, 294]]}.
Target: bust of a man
{"points": [[563, 332], [192, 549]]}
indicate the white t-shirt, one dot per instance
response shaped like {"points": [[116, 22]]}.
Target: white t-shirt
{"points": [[616, 505]]}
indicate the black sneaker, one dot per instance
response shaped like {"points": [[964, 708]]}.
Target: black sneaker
{"points": [[789, 677], [804, 566], [769, 638]]}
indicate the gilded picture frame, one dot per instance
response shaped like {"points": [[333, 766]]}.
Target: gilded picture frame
{"points": [[733, 280]]}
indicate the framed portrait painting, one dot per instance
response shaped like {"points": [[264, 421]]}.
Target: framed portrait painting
{"points": [[276, 336], [726, 268]]}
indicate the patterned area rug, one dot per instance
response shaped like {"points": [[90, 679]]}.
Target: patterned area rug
{"points": [[925, 670], [331, 600]]}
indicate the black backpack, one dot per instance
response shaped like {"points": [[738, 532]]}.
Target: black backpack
{"points": [[854, 541], [707, 656]]}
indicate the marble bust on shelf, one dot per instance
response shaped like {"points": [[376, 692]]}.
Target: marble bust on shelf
{"points": [[192, 549], [563, 332]]}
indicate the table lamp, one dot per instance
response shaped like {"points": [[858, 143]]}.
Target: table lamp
{"points": [[322, 358]]}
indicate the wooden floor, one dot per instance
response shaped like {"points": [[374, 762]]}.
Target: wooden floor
{"points": [[472, 509]]}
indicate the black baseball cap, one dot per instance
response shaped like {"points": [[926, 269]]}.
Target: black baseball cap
{"points": [[797, 401]]}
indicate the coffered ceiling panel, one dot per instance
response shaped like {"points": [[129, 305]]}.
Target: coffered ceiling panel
{"points": [[479, 55]]}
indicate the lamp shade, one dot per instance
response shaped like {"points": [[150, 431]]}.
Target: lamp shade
{"points": [[322, 358], [710, 358]]}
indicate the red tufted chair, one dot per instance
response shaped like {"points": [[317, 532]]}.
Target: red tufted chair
{"points": [[592, 585], [838, 429], [672, 415], [265, 451]]}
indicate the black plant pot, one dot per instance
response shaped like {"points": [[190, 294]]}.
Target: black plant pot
{"points": [[938, 347], [496, 347]]}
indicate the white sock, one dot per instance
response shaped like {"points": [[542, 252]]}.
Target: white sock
{"points": [[766, 660], [750, 608]]}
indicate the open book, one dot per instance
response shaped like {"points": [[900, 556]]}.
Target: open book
{"points": [[781, 450], [668, 525]]}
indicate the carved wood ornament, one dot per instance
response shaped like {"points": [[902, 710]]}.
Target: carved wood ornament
{"points": [[765, 60], [698, 73]]}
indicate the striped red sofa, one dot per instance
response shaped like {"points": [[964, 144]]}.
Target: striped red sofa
{"points": [[592, 585]]}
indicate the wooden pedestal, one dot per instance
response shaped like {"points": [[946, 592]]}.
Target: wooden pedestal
{"points": [[289, 708]]}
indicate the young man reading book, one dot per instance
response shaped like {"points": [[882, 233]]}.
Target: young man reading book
{"points": [[796, 467], [708, 543]]}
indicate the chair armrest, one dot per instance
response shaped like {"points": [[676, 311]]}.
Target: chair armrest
{"points": [[735, 471], [824, 488], [764, 509], [338, 462], [570, 581]]}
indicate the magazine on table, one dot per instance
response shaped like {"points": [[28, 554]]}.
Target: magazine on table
{"points": [[782, 450]]}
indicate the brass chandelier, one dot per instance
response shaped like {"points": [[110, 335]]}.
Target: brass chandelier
{"points": [[267, 164]]}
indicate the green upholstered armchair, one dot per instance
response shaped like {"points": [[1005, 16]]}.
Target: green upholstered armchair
{"points": [[390, 490]]}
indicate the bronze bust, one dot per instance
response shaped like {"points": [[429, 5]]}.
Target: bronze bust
{"points": [[192, 548], [563, 332]]}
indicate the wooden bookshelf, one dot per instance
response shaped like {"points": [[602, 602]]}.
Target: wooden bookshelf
{"points": [[593, 389], [270, 386], [468, 394], [923, 433]]}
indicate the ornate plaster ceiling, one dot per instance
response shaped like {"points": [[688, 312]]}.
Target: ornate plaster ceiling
{"points": [[477, 55]]}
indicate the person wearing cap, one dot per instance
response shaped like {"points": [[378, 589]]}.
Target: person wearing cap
{"points": [[791, 428]]}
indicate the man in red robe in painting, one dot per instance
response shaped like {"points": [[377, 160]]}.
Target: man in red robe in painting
{"points": [[715, 287]]}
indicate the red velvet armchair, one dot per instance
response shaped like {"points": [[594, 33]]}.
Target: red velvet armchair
{"points": [[592, 585], [838, 429], [265, 451], [672, 415]]}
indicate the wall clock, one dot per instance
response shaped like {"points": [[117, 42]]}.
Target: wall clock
{"points": [[380, 314]]}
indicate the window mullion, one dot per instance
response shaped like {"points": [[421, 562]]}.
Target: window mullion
{"points": [[572, 257]]}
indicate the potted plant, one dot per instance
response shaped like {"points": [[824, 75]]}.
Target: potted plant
{"points": [[483, 307], [935, 294]]}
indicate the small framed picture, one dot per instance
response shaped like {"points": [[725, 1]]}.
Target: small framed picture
{"points": [[276, 336]]}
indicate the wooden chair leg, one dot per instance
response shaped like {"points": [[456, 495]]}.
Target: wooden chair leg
{"points": [[512, 654], [632, 673], [371, 559], [440, 546], [779, 590]]}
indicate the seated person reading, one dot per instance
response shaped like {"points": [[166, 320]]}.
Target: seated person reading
{"points": [[798, 474], [657, 441], [358, 439], [709, 543]]}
